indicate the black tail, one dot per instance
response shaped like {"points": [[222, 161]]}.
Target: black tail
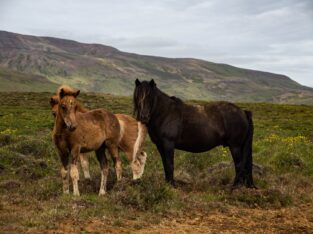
{"points": [[247, 152]]}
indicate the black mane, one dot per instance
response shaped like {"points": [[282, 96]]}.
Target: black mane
{"points": [[176, 99]]}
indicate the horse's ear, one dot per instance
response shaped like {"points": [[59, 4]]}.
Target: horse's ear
{"points": [[137, 82], [62, 93], [152, 83], [76, 93], [52, 103]]}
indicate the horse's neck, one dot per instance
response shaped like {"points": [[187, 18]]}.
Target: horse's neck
{"points": [[164, 104], [81, 109], [59, 124]]}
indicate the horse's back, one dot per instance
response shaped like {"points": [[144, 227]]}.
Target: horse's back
{"points": [[206, 126], [100, 120], [202, 128], [98, 114]]}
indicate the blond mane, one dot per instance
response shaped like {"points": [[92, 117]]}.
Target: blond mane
{"points": [[67, 90]]}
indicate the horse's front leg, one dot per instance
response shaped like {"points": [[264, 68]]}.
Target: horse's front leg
{"points": [[74, 170], [64, 157], [166, 150], [104, 169], [85, 165], [113, 150]]}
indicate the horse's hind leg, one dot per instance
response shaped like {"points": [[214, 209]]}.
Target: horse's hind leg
{"points": [[74, 170], [243, 167], [113, 150], [138, 165], [104, 169], [247, 154], [85, 165], [237, 155]]}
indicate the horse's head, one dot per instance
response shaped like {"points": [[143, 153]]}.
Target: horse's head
{"points": [[144, 98], [67, 108], [54, 101]]}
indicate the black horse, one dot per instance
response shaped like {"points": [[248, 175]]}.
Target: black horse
{"points": [[173, 124]]}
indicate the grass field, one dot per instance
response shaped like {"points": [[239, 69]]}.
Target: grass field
{"points": [[31, 198]]}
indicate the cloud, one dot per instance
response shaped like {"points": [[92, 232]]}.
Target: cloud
{"points": [[274, 36]]}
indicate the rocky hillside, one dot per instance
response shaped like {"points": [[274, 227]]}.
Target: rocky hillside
{"points": [[29, 63]]}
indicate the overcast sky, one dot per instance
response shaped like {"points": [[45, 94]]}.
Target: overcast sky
{"points": [[268, 35]]}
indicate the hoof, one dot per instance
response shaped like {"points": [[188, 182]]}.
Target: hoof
{"points": [[251, 186], [66, 191], [76, 194], [136, 177], [119, 178], [102, 193], [172, 183], [87, 177]]}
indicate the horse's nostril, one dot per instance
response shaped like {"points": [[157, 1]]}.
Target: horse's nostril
{"points": [[145, 118], [72, 127]]}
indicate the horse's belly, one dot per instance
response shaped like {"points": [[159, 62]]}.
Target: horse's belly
{"points": [[195, 148], [198, 142], [90, 141]]}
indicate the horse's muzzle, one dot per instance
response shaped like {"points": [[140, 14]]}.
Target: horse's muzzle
{"points": [[144, 119], [70, 126]]}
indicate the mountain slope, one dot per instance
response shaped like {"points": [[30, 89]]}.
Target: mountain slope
{"points": [[99, 68], [16, 81]]}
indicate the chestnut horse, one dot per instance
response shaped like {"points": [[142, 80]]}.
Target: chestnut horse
{"points": [[54, 101], [131, 137], [172, 124]]}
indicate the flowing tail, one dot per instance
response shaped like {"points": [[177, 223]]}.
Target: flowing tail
{"points": [[139, 158], [247, 152]]}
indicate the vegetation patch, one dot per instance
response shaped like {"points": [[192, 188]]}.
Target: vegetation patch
{"points": [[31, 187]]}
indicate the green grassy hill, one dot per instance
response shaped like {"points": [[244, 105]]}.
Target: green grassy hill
{"points": [[11, 80], [99, 68]]}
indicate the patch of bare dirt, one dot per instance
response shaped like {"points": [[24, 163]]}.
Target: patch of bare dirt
{"points": [[239, 221], [233, 220]]}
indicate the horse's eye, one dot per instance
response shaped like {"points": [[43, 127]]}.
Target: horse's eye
{"points": [[63, 107]]}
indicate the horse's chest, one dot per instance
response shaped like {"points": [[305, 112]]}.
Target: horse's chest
{"points": [[61, 142], [154, 136]]}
